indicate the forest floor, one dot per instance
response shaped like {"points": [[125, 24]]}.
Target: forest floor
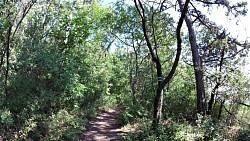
{"points": [[105, 127]]}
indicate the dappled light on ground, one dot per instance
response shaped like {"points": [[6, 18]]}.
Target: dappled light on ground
{"points": [[104, 127]]}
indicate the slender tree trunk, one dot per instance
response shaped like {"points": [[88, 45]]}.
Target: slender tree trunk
{"points": [[212, 98], [7, 58], [2, 58], [158, 102], [220, 110], [210, 104], [132, 81], [200, 90]]}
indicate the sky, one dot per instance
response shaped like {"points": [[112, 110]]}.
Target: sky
{"points": [[240, 30]]}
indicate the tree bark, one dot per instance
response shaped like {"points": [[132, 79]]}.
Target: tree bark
{"points": [[132, 81], [212, 98], [158, 102], [220, 110], [7, 48], [200, 90], [159, 92]]}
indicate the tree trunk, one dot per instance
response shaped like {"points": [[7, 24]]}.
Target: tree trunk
{"points": [[7, 58], [220, 110], [210, 104], [212, 98], [200, 90], [158, 102], [132, 81], [157, 115]]}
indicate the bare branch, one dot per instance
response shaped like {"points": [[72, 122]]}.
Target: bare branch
{"points": [[144, 28], [244, 104], [26, 11]]}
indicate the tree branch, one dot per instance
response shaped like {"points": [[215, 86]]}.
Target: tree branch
{"points": [[26, 11], [179, 41], [143, 19], [244, 104]]}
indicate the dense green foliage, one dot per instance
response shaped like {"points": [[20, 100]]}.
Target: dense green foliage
{"points": [[62, 61], [59, 73]]}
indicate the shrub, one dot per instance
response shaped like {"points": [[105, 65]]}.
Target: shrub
{"points": [[65, 126], [145, 133], [132, 113], [243, 135]]}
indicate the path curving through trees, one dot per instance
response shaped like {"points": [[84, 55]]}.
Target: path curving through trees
{"points": [[104, 127]]}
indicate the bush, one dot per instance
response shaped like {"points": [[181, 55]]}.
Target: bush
{"points": [[145, 133], [244, 135], [65, 126], [132, 113], [6, 117]]}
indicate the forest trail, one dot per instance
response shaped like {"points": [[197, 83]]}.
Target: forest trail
{"points": [[104, 127]]}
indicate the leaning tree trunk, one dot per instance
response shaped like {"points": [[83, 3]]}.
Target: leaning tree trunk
{"points": [[200, 90]]}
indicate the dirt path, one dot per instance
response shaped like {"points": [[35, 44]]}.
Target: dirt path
{"points": [[104, 127]]}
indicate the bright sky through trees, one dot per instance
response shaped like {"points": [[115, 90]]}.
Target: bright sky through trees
{"points": [[238, 27]]}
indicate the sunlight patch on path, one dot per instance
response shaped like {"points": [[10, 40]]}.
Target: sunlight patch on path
{"points": [[104, 127]]}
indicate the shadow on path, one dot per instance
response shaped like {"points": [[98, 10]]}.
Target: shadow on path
{"points": [[104, 127]]}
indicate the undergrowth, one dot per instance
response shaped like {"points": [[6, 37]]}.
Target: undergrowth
{"points": [[169, 130]]}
